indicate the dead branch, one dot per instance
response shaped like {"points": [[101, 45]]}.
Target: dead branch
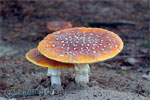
{"points": [[111, 24]]}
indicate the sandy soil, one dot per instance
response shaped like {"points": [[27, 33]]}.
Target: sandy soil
{"points": [[125, 77]]}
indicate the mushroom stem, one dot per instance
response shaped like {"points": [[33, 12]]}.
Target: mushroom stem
{"points": [[81, 73], [55, 76]]}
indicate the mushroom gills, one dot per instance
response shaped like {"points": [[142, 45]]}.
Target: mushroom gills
{"points": [[55, 76], [81, 73]]}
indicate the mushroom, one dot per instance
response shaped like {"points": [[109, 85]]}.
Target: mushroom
{"points": [[54, 67], [58, 25], [81, 46]]}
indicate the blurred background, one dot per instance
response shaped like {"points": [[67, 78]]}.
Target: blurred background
{"points": [[23, 23]]}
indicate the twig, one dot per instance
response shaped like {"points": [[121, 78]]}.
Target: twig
{"points": [[104, 64], [129, 56], [40, 97], [111, 24]]}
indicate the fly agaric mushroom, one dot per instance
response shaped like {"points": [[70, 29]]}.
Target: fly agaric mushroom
{"points": [[54, 67], [81, 46], [58, 25]]}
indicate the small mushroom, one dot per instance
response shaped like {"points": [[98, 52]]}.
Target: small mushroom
{"points": [[54, 67], [58, 25], [81, 46]]}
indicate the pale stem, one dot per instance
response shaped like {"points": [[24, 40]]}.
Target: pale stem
{"points": [[81, 73], [55, 76]]}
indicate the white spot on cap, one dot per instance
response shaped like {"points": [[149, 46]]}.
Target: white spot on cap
{"points": [[116, 46], [91, 34], [62, 41], [66, 38], [93, 48], [77, 41], [74, 45], [58, 33], [102, 49], [94, 51], [94, 44]]}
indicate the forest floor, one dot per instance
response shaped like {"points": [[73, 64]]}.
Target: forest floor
{"points": [[126, 76]]}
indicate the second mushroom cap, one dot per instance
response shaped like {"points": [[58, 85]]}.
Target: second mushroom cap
{"points": [[37, 58], [58, 25]]}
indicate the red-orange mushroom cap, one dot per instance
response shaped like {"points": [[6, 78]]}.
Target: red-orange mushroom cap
{"points": [[37, 58], [81, 45], [58, 25]]}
